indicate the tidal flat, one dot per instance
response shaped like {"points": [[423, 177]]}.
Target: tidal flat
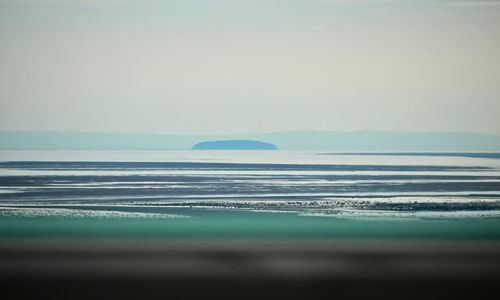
{"points": [[269, 219]]}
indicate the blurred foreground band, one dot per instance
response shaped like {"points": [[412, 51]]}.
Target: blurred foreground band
{"points": [[83, 269]]}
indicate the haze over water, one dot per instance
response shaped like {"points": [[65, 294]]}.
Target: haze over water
{"points": [[78, 77]]}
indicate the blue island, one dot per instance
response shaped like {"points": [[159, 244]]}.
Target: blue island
{"points": [[234, 145]]}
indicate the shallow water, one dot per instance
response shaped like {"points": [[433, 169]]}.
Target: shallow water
{"points": [[244, 193]]}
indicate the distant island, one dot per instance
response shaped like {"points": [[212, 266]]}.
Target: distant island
{"points": [[234, 145]]}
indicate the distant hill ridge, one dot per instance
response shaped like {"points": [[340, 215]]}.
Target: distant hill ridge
{"points": [[296, 140]]}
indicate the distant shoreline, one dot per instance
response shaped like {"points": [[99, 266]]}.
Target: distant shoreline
{"points": [[493, 155], [357, 141]]}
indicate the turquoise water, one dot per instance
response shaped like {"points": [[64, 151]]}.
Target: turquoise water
{"points": [[235, 224]]}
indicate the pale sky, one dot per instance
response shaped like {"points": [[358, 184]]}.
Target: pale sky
{"points": [[194, 66]]}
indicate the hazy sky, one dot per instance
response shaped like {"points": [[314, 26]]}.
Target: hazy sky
{"points": [[248, 66]]}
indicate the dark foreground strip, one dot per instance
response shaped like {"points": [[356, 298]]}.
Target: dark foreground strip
{"points": [[143, 269]]}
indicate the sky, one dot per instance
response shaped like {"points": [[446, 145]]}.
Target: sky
{"points": [[200, 66]]}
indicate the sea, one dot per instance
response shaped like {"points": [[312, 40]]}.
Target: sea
{"points": [[250, 194]]}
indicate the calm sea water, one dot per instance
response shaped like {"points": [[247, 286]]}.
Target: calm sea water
{"points": [[241, 194]]}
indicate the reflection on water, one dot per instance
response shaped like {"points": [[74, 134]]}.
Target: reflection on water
{"points": [[53, 184]]}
